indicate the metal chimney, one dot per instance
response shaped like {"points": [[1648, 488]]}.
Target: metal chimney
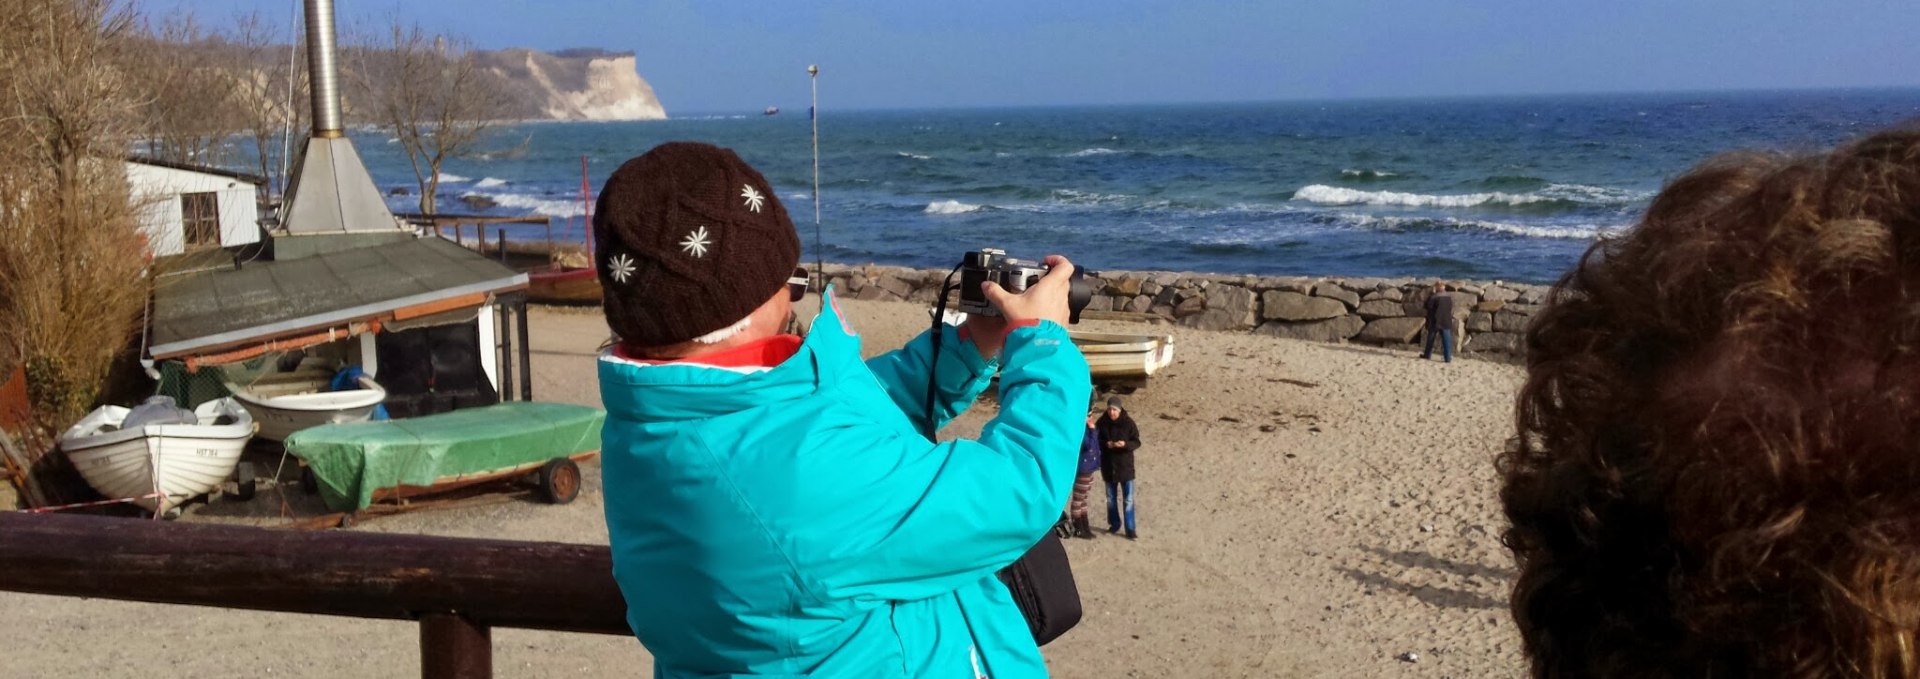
{"points": [[331, 192], [323, 69]]}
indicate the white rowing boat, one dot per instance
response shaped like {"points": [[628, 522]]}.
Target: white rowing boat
{"points": [[1122, 358], [286, 404], [1114, 359], [163, 465]]}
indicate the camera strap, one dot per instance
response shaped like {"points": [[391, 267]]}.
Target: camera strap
{"points": [[933, 362]]}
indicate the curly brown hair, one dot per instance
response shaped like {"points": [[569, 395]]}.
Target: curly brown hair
{"points": [[1717, 466]]}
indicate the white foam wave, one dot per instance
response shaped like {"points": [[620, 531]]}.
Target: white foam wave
{"points": [[1095, 151], [1334, 195], [950, 207], [915, 156], [489, 182], [1594, 194], [1077, 196], [799, 196], [1371, 174], [451, 177], [1573, 232], [569, 207]]}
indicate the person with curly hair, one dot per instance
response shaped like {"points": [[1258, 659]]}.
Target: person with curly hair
{"points": [[1716, 471]]}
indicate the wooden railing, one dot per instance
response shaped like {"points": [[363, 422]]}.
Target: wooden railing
{"points": [[458, 589]]}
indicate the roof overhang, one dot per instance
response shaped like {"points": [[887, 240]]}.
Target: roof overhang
{"points": [[263, 303]]}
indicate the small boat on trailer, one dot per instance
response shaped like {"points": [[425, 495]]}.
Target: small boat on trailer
{"points": [[160, 466], [1123, 360], [284, 406], [355, 465]]}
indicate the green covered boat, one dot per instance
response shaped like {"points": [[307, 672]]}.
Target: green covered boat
{"points": [[357, 464]]}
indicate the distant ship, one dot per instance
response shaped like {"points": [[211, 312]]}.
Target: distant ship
{"points": [[772, 110]]}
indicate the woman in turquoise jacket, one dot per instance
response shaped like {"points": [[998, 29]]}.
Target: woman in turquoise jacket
{"points": [[774, 508], [794, 522]]}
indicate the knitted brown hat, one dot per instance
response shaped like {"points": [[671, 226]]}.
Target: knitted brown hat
{"points": [[690, 240]]}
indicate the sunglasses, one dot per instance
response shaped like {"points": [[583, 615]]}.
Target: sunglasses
{"points": [[797, 285]]}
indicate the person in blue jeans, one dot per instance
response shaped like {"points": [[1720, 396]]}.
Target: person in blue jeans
{"points": [[1119, 437], [1439, 322]]}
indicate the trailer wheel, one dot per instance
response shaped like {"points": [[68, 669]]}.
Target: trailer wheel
{"points": [[559, 481], [244, 485]]}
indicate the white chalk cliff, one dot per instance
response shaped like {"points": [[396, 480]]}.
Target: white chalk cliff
{"points": [[582, 84]]}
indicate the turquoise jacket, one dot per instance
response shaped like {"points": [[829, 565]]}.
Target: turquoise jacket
{"points": [[794, 522]]}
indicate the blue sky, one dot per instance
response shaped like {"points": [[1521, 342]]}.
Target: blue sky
{"points": [[712, 55]]}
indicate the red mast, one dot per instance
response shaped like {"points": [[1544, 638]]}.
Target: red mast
{"points": [[586, 207]]}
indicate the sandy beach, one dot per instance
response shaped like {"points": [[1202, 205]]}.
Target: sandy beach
{"points": [[1306, 510]]}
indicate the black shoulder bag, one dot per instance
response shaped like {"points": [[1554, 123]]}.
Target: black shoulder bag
{"points": [[1041, 580]]}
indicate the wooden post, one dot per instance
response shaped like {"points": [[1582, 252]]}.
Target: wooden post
{"points": [[503, 350], [453, 647], [526, 354], [459, 234], [503, 243]]}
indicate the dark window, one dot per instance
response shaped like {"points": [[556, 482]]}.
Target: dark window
{"points": [[200, 217]]}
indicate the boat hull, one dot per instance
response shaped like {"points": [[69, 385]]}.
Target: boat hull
{"points": [[281, 416], [162, 465], [564, 286], [1116, 357]]}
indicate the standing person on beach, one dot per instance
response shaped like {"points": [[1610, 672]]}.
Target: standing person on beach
{"points": [[773, 506], [1083, 483], [1440, 322], [1119, 437]]}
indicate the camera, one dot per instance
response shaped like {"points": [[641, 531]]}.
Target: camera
{"points": [[992, 264]]}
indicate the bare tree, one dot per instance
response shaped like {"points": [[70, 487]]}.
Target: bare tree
{"points": [[428, 92], [71, 291], [188, 83], [270, 93]]}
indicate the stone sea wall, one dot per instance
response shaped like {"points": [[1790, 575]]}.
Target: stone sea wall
{"points": [[1489, 316]]}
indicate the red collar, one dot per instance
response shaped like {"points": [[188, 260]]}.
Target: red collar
{"points": [[765, 353]]}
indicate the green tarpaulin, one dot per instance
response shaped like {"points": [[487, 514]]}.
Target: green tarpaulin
{"points": [[351, 461]]}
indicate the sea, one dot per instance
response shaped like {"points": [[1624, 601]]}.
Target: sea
{"points": [[1492, 188]]}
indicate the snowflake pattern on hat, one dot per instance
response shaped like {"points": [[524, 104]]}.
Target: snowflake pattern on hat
{"points": [[696, 243], [620, 267], [753, 197]]}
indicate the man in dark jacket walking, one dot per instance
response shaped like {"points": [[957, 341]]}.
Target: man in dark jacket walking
{"points": [[1439, 322], [1119, 437]]}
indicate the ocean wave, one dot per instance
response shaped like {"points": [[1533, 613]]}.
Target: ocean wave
{"points": [[914, 156], [1334, 195], [1566, 194], [489, 182], [799, 196], [1088, 197], [1095, 151], [950, 207], [448, 177], [1594, 194], [1364, 175], [566, 207], [1561, 232]]}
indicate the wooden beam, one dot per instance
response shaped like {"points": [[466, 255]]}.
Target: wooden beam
{"points": [[492, 583], [440, 306]]}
